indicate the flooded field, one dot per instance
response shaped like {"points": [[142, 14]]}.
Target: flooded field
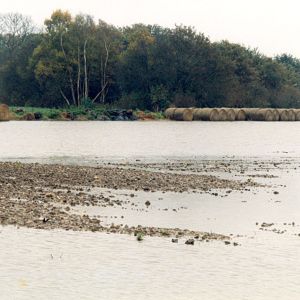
{"points": [[260, 260], [156, 140]]}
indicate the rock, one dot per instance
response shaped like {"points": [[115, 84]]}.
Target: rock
{"points": [[190, 242], [266, 224], [275, 193], [235, 244], [19, 110], [174, 240], [227, 243], [148, 203], [103, 118]]}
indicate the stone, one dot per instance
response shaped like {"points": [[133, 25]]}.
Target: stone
{"points": [[190, 242]]}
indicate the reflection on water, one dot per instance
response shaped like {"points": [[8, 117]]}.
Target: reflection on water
{"points": [[39, 264]]}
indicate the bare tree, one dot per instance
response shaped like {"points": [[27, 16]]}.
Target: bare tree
{"points": [[15, 28], [78, 74], [86, 89], [103, 70], [69, 71], [104, 82]]}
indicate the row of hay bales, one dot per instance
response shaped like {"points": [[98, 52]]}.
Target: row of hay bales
{"points": [[4, 112], [232, 114]]}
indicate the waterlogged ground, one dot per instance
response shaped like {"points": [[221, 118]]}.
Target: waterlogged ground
{"points": [[253, 199]]}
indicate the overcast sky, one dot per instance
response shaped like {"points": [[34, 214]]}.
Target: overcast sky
{"points": [[272, 26]]}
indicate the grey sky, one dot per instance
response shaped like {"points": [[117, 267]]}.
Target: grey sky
{"points": [[273, 26]]}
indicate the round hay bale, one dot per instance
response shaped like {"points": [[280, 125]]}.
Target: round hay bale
{"points": [[4, 112], [240, 114], [297, 114], [223, 115], [265, 114], [276, 114], [183, 114], [205, 114], [230, 114], [250, 113], [260, 114], [291, 115], [284, 116], [169, 112]]}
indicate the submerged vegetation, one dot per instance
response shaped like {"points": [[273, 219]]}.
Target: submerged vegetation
{"points": [[87, 65]]}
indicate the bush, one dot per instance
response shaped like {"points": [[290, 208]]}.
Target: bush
{"points": [[38, 115], [132, 101], [53, 115], [181, 100], [87, 103], [28, 117]]}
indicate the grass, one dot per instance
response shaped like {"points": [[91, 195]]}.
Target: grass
{"points": [[98, 112], [46, 113]]}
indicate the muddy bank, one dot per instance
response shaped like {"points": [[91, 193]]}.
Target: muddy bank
{"points": [[42, 196], [37, 214], [60, 176], [250, 167]]}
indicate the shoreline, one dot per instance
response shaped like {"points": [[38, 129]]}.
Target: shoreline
{"points": [[81, 114]]}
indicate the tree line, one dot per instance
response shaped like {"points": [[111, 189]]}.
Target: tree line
{"points": [[75, 61]]}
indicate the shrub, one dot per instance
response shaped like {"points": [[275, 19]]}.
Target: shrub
{"points": [[38, 115], [53, 115]]}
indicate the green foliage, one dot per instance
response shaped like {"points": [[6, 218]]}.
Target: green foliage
{"points": [[53, 115], [87, 103], [159, 97], [90, 66], [38, 112]]}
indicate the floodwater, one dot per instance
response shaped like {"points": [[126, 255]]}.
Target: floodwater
{"points": [[156, 140], [37, 264]]}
